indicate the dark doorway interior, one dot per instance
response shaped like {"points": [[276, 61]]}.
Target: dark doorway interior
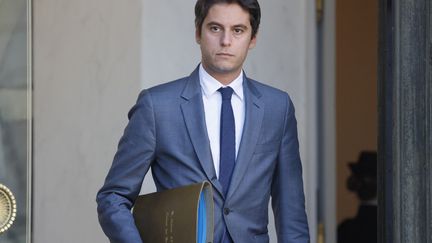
{"points": [[356, 92]]}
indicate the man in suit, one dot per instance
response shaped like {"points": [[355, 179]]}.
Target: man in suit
{"points": [[216, 125]]}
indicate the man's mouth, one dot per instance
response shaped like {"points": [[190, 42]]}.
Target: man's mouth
{"points": [[224, 54]]}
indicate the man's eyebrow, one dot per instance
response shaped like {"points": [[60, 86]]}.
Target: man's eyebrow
{"points": [[240, 26], [213, 23], [235, 26]]}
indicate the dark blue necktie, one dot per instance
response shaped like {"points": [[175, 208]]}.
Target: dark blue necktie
{"points": [[227, 146], [227, 139]]}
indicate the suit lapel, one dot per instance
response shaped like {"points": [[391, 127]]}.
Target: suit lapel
{"points": [[254, 113], [193, 115]]}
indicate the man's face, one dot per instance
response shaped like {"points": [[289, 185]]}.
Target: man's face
{"points": [[225, 39]]}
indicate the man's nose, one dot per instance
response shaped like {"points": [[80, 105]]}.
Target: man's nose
{"points": [[226, 38]]}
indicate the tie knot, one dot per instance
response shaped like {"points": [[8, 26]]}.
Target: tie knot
{"points": [[226, 93]]}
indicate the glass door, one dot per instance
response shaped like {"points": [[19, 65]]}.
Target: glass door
{"points": [[15, 121]]}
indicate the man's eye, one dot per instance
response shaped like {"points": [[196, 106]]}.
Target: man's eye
{"points": [[215, 28], [238, 31]]}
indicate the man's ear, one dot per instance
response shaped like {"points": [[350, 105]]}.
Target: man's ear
{"points": [[197, 36], [253, 41]]}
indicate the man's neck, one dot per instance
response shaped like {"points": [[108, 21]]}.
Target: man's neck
{"points": [[224, 78]]}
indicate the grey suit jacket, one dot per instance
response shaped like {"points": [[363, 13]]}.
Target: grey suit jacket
{"points": [[167, 132]]}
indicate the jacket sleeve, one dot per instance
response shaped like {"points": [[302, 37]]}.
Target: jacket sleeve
{"points": [[287, 187], [131, 162]]}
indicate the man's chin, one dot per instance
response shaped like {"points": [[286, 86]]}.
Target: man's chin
{"points": [[222, 68], [226, 69]]}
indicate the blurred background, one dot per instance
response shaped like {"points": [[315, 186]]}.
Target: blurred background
{"points": [[71, 70]]}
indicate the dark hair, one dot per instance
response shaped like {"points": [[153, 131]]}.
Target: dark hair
{"points": [[202, 7]]}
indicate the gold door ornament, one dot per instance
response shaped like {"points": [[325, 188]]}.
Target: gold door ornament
{"points": [[7, 208]]}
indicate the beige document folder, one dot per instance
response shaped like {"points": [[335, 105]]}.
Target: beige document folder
{"points": [[180, 215]]}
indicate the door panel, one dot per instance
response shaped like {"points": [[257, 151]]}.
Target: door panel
{"points": [[15, 129]]}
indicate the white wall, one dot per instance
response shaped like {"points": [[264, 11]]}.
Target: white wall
{"points": [[86, 76], [91, 58]]}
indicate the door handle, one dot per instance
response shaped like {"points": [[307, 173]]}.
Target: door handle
{"points": [[8, 208]]}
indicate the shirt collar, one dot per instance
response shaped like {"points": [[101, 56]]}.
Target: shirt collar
{"points": [[210, 85]]}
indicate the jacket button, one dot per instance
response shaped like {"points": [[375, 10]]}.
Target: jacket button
{"points": [[227, 211]]}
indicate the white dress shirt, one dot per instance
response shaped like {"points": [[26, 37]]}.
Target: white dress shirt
{"points": [[212, 108]]}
